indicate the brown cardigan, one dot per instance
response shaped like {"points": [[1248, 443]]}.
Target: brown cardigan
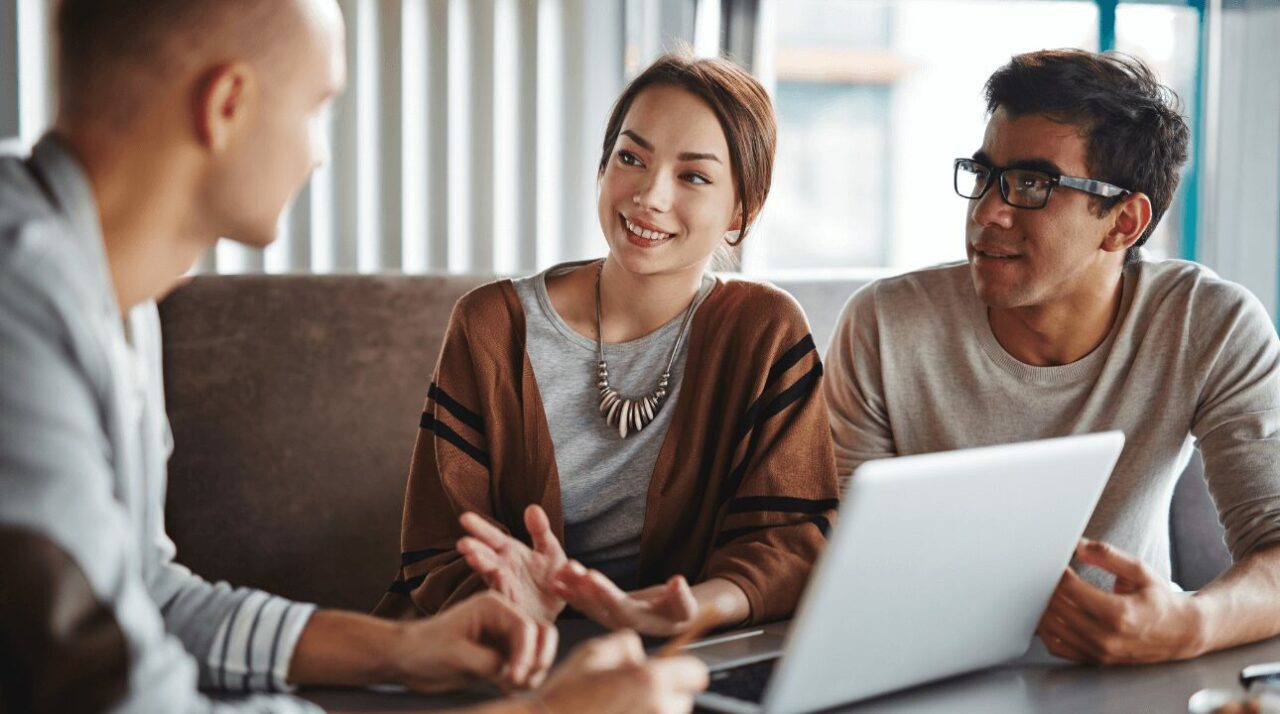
{"points": [[744, 487]]}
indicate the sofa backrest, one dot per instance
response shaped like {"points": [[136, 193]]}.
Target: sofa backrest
{"points": [[294, 402]]}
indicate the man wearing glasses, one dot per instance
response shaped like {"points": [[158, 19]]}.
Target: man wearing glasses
{"points": [[1056, 325]]}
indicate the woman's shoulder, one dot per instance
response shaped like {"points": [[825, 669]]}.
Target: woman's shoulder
{"points": [[758, 302], [490, 305]]}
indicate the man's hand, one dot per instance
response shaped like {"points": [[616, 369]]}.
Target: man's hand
{"points": [[525, 576], [659, 610], [609, 675], [481, 638], [1145, 619]]}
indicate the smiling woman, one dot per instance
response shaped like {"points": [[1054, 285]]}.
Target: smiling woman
{"points": [[558, 461]]}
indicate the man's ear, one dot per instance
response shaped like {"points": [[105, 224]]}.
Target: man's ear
{"points": [[1129, 220], [224, 103]]}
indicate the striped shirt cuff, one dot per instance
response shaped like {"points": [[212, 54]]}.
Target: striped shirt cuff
{"points": [[254, 645]]}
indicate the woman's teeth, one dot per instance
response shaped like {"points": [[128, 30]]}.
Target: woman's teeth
{"points": [[645, 233]]}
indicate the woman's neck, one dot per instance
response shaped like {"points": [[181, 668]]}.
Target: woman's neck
{"points": [[635, 305], [632, 305]]}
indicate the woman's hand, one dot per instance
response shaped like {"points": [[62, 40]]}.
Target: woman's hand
{"points": [[525, 576], [659, 610]]}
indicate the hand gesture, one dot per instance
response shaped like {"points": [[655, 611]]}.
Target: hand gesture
{"points": [[481, 638], [658, 610], [524, 575], [1145, 618]]}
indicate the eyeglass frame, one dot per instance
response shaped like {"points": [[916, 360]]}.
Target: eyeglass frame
{"points": [[1093, 187]]}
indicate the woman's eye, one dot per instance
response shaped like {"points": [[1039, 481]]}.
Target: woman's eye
{"points": [[696, 179], [628, 158]]}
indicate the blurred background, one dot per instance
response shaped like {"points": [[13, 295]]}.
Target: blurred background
{"points": [[468, 138]]}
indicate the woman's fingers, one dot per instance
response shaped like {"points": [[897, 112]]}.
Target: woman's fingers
{"points": [[486, 532], [479, 556], [539, 527]]}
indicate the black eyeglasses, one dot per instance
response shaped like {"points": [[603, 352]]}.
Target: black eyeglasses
{"points": [[1023, 188]]}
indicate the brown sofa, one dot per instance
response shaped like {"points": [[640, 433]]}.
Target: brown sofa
{"points": [[294, 401]]}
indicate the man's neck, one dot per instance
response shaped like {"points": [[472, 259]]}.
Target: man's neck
{"points": [[144, 198], [1061, 332]]}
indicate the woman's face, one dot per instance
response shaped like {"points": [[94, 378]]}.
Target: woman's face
{"points": [[667, 195]]}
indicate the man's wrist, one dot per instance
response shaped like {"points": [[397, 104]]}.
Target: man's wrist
{"points": [[392, 658], [1199, 626]]}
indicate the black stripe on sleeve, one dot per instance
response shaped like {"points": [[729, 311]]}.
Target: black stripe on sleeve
{"points": [[789, 396], [406, 586], [790, 357], [780, 366], [416, 556], [725, 537], [444, 432], [785, 504], [792, 394], [461, 413]]}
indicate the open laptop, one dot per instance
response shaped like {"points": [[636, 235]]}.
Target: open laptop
{"points": [[939, 564]]}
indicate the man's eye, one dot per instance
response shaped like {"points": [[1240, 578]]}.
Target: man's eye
{"points": [[1032, 183]]}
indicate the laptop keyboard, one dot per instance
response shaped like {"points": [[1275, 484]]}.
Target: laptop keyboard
{"points": [[746, 682]]}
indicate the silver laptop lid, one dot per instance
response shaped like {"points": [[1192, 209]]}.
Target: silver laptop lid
{"points": [[939, 564]]}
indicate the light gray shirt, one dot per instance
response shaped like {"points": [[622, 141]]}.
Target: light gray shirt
{"points": [[604, 479], [1191, 361], [84, 441]]}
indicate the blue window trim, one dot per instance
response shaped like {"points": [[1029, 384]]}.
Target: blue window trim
{"points": [[1106, 24], [1189, 239], [1190, 242]]}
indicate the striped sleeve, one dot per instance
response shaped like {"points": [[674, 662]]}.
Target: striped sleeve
{"points": [[449, 475], [253, 645], [781, 496]]}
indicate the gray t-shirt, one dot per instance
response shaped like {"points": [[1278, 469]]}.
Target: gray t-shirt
{"points": [[604, 479], [1192, 360]]}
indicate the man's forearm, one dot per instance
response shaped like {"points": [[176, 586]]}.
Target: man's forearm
{"points": [[1242, 605], [346, 648]]}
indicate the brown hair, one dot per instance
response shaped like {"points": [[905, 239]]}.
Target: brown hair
{"points": [[1137, 138], [740, 104]]}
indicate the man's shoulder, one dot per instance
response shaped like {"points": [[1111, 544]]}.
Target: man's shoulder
{"points": [[34, 258], [1182, 289], [916, 294]]}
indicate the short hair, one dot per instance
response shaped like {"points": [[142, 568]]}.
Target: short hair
{"points": [[109, 52], [740, 104], [1136, 135]]}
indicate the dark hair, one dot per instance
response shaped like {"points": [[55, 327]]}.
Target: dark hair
{"points": [[1137, 137], [740, 104]]}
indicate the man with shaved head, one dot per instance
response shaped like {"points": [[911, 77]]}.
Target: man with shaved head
{"points": [[179, 122]]}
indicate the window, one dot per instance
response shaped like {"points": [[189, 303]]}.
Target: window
{"points": [[875, 97]]}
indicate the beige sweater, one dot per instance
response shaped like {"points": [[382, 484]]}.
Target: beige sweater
{"points": [[1192, 361], [745, 483]]}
